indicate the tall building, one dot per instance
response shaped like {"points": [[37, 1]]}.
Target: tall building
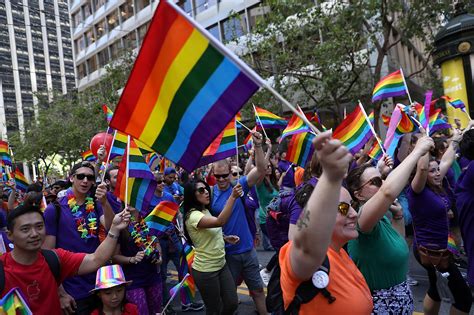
{"points": [[35, 58], [103, 28]]}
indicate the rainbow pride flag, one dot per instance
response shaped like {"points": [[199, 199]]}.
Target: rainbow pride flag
{"points": [[439, 124], [88, 156], [222, 147], [182, 90], [393, 136], [455, 102], [434, 116], [20, 180], [300, 148], [452, 247], [389, 86], [268, 119], [422, 118], [141, 182], [151, 158], [375, 151], [295, 126], [354, 131], [119, 145], [238, 118], [317, 119], [385, 119], [160, 218], [248, 140], [13, 303], [5, 153], [108, 113], [406, 124], [186, 260]]}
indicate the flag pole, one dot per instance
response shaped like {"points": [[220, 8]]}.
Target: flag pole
{"points": [[236, 143], [258, 117], [126, 171], [245, 68], [174, 294], [108, 155], [371, 127], [406, 86], [244, 126]]}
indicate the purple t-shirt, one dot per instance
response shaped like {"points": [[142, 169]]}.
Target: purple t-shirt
{"points": [[289, 179], [465, 206], [114, 202], [68, 238], [251, 205], [430, 218]]}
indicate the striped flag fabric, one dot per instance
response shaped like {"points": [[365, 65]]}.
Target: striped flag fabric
{"points": [[269, 119], [300, 148], [238, 118], [390, 86], [375, 151], [248, 140], [295, 126], [188, 290], [119, 145], [88, 156], [385, 119], [141, 182], [13, 303], [439, 124], [161, 217], [393, 136], [317, 119], [455, 102], [20, 181], [406, 124], [5, 153], [151, 158], [434, 116], [222, 147], [108, 113], [182, 90], [354, 131]]}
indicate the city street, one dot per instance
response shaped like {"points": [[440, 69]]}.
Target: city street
{"points": [[416, 272]]}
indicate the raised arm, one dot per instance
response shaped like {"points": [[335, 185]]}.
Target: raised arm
{"points": [[208, 222], [311, 240], [260, 161], [449, 156], [419, 181], [376, 207]]}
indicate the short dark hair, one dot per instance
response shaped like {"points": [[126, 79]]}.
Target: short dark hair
{"points": [[81, 164], [22, 209], [110, 169], [353, 179], [466, 145]]}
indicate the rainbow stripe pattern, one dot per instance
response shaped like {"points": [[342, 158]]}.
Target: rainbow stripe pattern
{"points": [[439, 124], [20, 180], [385, 119], [406, 124], [4, 153], [108, 113], [182, 91], [317, 119], [238, 118], [393, 136], [13, 303], [222, 147], [119, 145], [88, 156], [295, 126], [186, 260], [300, 149], [375, 151], [354, 131], [452, 247], [109, 276], [389, 86], [141, 182], [151, 158], [160, 218], [455, 102], [268, 119]]}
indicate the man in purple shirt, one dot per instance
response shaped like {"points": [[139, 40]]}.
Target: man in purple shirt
{"points": [[289, 179], [110, 179]]}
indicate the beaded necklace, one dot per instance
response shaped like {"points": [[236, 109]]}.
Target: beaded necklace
{"points": [[86, 222], [141, 237]]}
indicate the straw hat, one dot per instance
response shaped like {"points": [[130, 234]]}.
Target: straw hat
{"points": [[108, 277]]}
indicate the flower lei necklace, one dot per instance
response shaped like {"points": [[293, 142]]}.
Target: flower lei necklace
{"points": [[140, 234], [86, 222]]}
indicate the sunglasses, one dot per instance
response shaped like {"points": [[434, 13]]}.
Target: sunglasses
{"points": [[375, 181], [343, 208], [237, 173], [90, 178], [201, 190], [221, 175], [159, 182]]}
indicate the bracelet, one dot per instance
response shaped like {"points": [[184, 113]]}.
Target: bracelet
{"points": [[397, 218], [112, 236]]}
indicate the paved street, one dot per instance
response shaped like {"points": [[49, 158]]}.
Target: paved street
{"points": [[416, 271]]}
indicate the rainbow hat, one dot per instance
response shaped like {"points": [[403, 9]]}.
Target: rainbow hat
{"points": [[108, 277]]}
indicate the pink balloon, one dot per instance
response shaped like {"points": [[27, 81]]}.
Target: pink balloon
{"points": [[98, 140]]}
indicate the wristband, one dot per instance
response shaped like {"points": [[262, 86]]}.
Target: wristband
{"points": [[112, 236]]}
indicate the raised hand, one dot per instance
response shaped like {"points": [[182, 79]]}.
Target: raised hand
{"points": [[333, 155]]}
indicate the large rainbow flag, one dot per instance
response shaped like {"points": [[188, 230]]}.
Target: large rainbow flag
{"points": [[389, 86], [21, 181], [269, 119], [222, 147], [141, 182], [119, 145], [354, 131], [160, 218], [182, 90], [295, 126], [13, 303], [300, 148], [4, 153]]}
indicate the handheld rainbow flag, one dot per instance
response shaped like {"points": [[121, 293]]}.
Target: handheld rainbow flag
{"points": [[317, 119], [248, 140], [238, 118], [268, 119], [13, 303], [151, 158], [406, 124], [439, 124], [5, 153], [161, 217], [434, 116], [455, 102], [300, 149], [452, 247], [183, 90], [354, 131], [385, 119], [393, 136], [20, 181], [295, 126], [88, 156], [186, 261], [375, 151], [389, 86], [139, 189], [108, 113], [222, 147]]}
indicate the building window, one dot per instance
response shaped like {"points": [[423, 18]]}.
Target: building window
{"points": [[214, 30], [99, 3], [80, 44], [256, 14], [141, 4], [81, 71], [130, 40], [90, 37], [142, 32], [234, 27], [112, 20], [186, 6], [77, 18], [115, 49], [87, 9], [103, 57], [126, 10], [100, 29], [203, 5], [92, 64]]}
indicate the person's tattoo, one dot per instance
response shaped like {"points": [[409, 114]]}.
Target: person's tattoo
{"points": [[303, 220]]}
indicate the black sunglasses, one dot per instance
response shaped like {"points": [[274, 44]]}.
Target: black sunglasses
{"points": [[221, 175], [375, 181], [343, 208], [201, 190], [159, 182], [237, 173], [90, 178]]}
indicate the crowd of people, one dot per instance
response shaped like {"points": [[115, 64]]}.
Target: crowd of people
{"points": [[341, 230]]}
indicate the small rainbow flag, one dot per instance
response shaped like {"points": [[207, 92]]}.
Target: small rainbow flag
{"points": [[300, 149], [88, 156], [295, 126], [141, 182], [182, 90], [406, 124], [20, 180], [375, 151], [4, 153], [354, 131], [108, 113], [186, 261], [434, 116], [161, 217], [455, 102], [151, 158], [439, 124], [222, 147], [390, 86], [452, 247], [385, 119], [268, 119], [238, 118], [422, 118], [13, 303], [248, 140], [317, 119], [393, 136]]}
